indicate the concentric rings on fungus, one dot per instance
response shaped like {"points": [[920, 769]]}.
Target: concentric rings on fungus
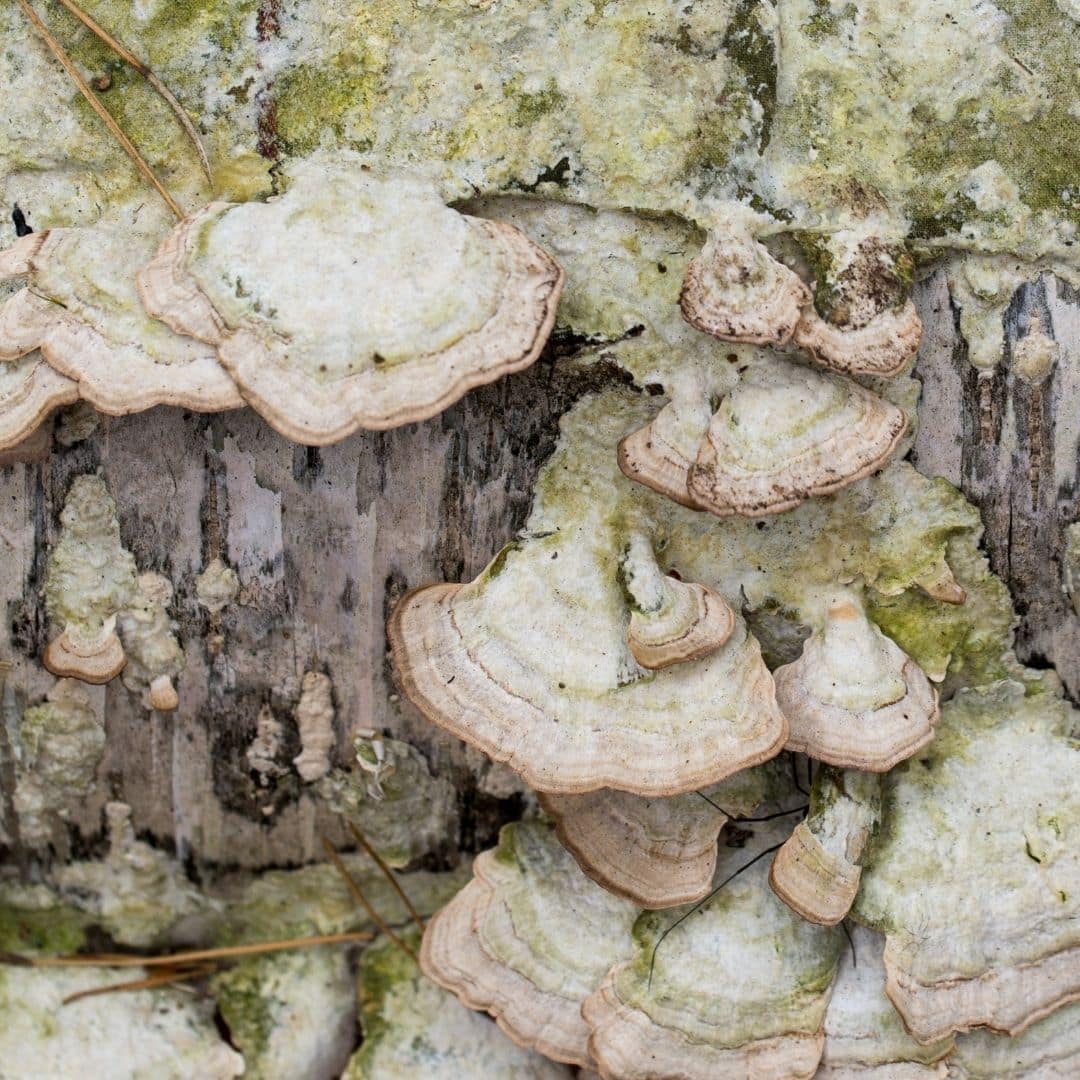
{"points": [[783, 435], [81, 309], [354, 301]]}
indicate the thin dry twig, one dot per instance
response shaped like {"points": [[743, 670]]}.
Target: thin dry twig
{"points": [[68, 65], [358, 894], [389, 874], [144, 70]]}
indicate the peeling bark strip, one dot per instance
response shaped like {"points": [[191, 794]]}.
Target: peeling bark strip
{"points": [[1012, 444]]}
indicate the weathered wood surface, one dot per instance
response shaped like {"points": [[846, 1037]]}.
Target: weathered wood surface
{"points": [[1013, 447], [325, 541]]}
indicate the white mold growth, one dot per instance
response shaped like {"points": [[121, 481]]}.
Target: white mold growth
{"points": [[165, 1034], [136, 892], [217, 586]]}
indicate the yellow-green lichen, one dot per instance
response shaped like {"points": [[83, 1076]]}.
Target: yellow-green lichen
{"points": [[58, 930]]}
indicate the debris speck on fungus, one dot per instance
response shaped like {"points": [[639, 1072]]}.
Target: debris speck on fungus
{"points": [[390, 794]]}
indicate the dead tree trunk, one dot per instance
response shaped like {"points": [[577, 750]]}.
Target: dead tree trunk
{"points": [[324, 542]]}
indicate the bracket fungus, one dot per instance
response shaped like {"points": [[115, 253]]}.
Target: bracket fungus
{"points": [[997, 788], [655, 852], [29, 391], [671, 621], [783, 435], [415, 1029], [735, 290], [737, 989], [864, 1036], [59, 744], [154, 655], [89, 580], [854, 698], [474, 662], [81, 309], [315, 722], [870, 325], [528, 939], [816, 871], [354, 301]]}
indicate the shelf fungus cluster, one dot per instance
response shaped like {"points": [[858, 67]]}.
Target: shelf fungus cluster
{"points": [[739, 989], [855, 317], [351, 301], [653, 741]]}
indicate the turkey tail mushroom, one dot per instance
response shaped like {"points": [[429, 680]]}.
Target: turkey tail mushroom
{"points": [[783, 435], [870, 326], [81, 309], [527, 940], [854, 699], [816, 872], [736, 291], [655, 852], [671, 621], [354, 301]]}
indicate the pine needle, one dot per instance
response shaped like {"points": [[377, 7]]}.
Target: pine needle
{"points": [[389, 874], [163, 91], [68, 65], [123, 960], [358, 894], [151, 982]]}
